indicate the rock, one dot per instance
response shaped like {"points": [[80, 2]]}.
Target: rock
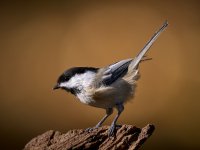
{"points": [[127, 137]]}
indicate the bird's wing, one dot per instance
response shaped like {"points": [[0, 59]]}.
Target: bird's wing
{"points": [[115, 71]]}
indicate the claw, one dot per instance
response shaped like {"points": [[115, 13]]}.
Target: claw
{"points": [[90, 129], [111, 130], [118, 126]]}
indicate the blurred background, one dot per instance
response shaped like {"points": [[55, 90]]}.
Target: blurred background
{"points": [[41, 39]]}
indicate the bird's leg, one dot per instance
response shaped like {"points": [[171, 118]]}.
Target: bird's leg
{"points": [[109, 111], [111, 130]]}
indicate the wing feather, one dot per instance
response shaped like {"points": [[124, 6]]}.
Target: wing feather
{"points": [[115, 71]]}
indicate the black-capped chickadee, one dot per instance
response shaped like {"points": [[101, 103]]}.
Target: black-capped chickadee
{"points": [[106, 87]]}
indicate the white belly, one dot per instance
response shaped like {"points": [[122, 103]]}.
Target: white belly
{"points": [[108, 97], [84, 98]]}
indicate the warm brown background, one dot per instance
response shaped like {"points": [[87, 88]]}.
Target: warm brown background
{"points": [[39, 40]]}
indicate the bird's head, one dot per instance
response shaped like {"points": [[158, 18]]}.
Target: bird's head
{"points": [[75, 79]]}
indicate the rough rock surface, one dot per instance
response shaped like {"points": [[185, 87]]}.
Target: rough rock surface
{"points": [[127, 137]]}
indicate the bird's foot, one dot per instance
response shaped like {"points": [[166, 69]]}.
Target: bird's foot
{"points": [[112, 129], [118, 126], [91, 129]]}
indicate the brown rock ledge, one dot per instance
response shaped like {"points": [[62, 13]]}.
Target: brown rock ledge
{"points": [[127, 137]]}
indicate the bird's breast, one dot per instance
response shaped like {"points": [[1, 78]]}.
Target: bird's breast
{"points": [[85, 98]]}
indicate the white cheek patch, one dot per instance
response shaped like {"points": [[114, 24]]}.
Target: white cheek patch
{"points": [[79, 81]]}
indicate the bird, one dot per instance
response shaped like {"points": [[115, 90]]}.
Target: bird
{"points": [[108, 87]]}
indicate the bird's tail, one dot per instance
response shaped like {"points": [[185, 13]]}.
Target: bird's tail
{"points": [[142, 53]]}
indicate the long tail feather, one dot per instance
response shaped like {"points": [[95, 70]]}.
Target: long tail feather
{"points": [[141, 54]]}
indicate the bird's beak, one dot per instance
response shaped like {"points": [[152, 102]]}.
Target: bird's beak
{"points": [[56, 87]]}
